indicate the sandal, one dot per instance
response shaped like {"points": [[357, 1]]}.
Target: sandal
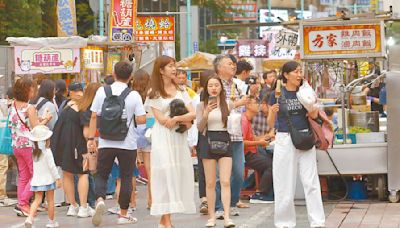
{"points": [[211, 223], [240, 204], [229, 223]]}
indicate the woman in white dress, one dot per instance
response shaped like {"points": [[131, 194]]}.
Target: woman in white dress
{"points": [[172, 178]]}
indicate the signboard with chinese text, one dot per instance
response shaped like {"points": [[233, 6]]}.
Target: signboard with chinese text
{"points": [[122, 16], [252, 48], [155, 28], [242, 12], [32, 60], [66, 15], [342, 40], [284, 39], [93, 59], [275, 52]]}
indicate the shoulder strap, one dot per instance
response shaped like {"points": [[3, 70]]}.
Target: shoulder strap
{"points": [[19, 117], [41, 103], [285, 110], [125, 93], [107, 90]]}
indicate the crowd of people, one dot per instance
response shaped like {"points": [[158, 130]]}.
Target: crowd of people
{"points": [[235, 120]]}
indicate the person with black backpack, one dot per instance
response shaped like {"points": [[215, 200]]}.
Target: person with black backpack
{"points": [[117, 110]]}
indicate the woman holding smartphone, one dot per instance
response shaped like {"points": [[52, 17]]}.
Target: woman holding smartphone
{"points": [[212, 117]]}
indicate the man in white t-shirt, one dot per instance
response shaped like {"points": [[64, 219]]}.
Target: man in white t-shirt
{"points": [[243, 70], [124, 151]]}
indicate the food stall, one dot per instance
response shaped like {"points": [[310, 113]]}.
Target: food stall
{"points": [[333, 53]]}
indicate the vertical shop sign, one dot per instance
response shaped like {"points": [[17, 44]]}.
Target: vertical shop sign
{"points": [[155, 28], [66, 15], [122, 18], [93, 59]]}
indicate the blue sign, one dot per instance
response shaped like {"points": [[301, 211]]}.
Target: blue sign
{"points": [[195, 47]]}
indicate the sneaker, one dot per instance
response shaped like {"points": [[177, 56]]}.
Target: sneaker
{"points": [[219, 215], [99, 211], [204, 208], [6, 202], [85, 212], [122, 220], [234, 211], [25, 210], [18, 210], [72, 210], [109, 197], [52, 224], [114, 210], [259, 197], [131, 210], [28, 223], [42, 208]]}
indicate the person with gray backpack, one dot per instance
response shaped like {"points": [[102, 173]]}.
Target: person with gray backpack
{"points": [[116, 110]]}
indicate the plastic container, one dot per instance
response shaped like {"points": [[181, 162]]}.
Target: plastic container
{"points": [[357, 190], [352, 137]]}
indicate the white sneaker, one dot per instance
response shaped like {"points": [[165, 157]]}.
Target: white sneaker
{"points": [[28, 223], [122, 220], [114, 210], [52, 224], [72, 210], [99, 211], [109, 197], [234, 212], [219, 215], [6, 202], [85, 212]]}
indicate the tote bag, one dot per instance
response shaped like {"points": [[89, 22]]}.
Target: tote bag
{"points": [[5, 139]]}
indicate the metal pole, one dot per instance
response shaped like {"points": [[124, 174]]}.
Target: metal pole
{"points": [[269, 10], [302, 10], [188, 28], [101, 18]]}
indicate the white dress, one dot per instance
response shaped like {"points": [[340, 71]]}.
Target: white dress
{"points": [[172, 177]]}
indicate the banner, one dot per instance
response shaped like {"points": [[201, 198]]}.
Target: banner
{"points": [[278, 45], [155, 28], [66, 15], [122, 16], [112, 59], [32, 60], [342, 40], [252, 48]]}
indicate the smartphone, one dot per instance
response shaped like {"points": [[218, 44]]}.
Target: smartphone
{"points": [[212, 100]]}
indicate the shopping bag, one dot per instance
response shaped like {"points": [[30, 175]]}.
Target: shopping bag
{"points": [[307, 97], [235, 123], [5, 139]]}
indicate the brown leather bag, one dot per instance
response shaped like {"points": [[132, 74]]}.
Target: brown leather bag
{"points": [[323, 134]]}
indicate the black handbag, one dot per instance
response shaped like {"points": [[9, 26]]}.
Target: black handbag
{"points": [[302, 140], [219, 142]]}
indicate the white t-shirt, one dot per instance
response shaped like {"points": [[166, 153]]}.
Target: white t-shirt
{"points": [[133, 106], [241, 85]]}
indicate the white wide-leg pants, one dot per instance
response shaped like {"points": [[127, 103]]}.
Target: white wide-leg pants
{"points": [[287, 161]]}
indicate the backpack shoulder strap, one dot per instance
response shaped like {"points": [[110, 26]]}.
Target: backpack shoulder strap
{"points": [[125, 93], [41, 103], [107, 90]]}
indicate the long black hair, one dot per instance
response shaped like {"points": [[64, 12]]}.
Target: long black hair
{"points": [[46, 90]]}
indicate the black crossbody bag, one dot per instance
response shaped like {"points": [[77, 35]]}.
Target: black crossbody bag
{"points": [[302, 140]]}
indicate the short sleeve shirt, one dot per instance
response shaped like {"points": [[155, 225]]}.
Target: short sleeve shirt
{"points": [[133, 105], [297, 112], [20, 128], [248, 135], [232, 94]]}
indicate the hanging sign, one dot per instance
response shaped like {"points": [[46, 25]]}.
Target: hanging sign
{"points": [[66, 15], [278, 49], [32, 60], [122, 17], [155, 28], [286, 39], [252, 48], [342, 40], [93, 59]]}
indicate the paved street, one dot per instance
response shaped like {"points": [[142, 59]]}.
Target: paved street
{"points": [[344, 215]]}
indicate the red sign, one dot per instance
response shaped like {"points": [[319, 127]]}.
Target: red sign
{"points": [[155, 28], [252, 48], [242, 12], [122, 17]]}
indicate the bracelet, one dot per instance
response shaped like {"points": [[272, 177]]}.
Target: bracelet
{"points": [[90, 139]]}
